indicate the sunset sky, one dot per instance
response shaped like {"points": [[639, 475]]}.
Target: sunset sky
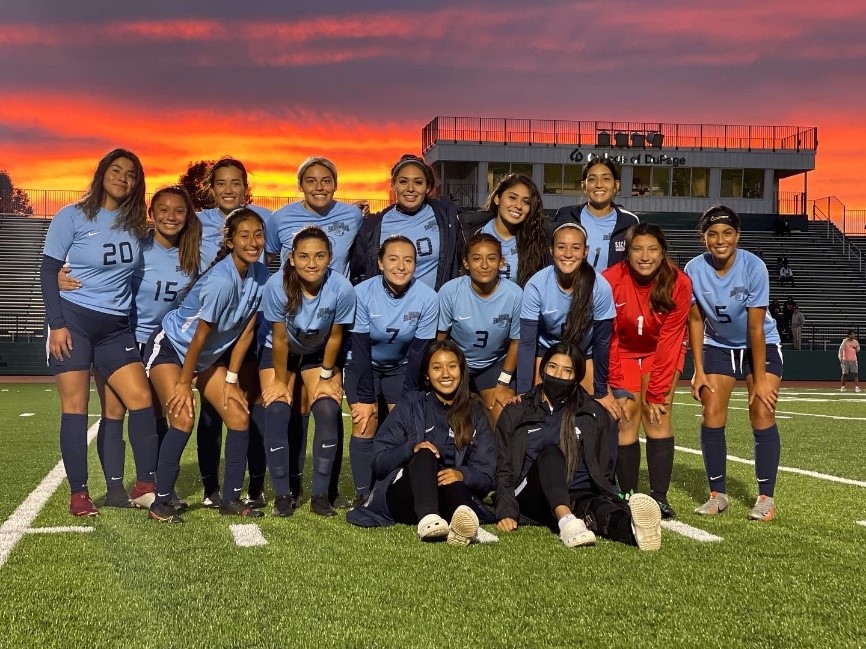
{"points": [[271, 83]]}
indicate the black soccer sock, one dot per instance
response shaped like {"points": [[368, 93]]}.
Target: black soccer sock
{"points": [[326, 417], [768, 448], [113, 451], [73, 450], [168, 467], [627, 467], [161, 430], [660, 465], [145, 446], [209, 434], [361, 460], [714, 448], [256, 460], [237, 442], [297, 434], [277, 417]]}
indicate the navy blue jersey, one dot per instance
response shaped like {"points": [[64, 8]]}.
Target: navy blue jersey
{"points": [[213, 223], [394, 322], [482, 327], [509, 251], [157, 283], [99, 255], [724, 300], [221, 298], [310, 326], [341, 224], [422, 229]]}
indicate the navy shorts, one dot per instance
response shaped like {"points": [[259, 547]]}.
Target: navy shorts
{"points": [[387, 382], [485, 379], [297, 362], [159, 351], [738, 362], [102, 341]]}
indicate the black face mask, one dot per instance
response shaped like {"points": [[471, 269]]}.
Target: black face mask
{"points": [[557, 389]]}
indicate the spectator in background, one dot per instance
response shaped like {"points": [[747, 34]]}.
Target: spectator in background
{"points": [[797, 322], [848, 360], [776, 312], [759, 253], [786, 274]]}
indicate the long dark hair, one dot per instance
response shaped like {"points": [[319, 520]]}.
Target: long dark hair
{"points": [[531, 239], [661, 297], [567, 437], [132, 212], [580, 315], [460, 411], [189, 241], [291, 281]]}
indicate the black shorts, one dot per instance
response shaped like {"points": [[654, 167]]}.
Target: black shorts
{"points": [[158, 350], [102, 341], [386, 382], [297, 362], [738, 362], [485, 379]]}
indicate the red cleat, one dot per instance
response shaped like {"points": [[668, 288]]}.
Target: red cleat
{"points": [[80, 504]]}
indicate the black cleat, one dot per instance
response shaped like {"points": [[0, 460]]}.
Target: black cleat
{"points": [[283, 506], [164, 513], [665, 507], [256, 503], [320, 505], [297, 498], [117, 498], [237, 508], [179, 504], [340, 502], [212, 500]]}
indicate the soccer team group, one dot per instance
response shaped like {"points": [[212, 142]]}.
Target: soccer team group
{"points": [[494, 351]]}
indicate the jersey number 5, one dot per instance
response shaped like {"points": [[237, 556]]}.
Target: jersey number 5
{"points": [[723, 317]]}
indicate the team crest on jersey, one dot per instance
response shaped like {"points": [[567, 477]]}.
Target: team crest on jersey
{"points": [[325, 313], [338, 228], [740, 293], [619, 246], [411, 316], [431, 225], [503, 320]]}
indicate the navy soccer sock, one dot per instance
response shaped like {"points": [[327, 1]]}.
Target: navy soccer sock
{"points": [[326, 415], [161, 430], [73, 450], [113, 454], [144, 442], [277, 416], [627, 467], [297, 433], [257, 462], [237, 442], [660, 465], [768, 448], [714, 448], [168, 466], [208, 444], [361, 459]]}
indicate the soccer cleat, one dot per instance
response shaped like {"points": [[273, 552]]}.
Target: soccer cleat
{"points": [[80, 504], [646, 522], [764, 509], [320, 505], [856, 388], [164, 513], [464, 526], [117, 497], [360, 500], [665, 507], [256, 503], [179, 504], [717, 504], [341, 502], [283, 506], [575, 534], [212, 500], [237, 508], [143, 494], [843, 389], [432, 527], [297, 497]]}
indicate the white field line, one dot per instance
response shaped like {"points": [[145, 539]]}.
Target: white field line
{"points": [[247, 535], [691, 532], [788, 412], [787, 469], [59, 530], [863, 523], [18, 524]]}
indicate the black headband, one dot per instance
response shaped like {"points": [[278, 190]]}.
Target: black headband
{"points": [[723, 218]]}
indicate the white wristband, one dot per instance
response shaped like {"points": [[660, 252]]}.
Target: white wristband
{"points": [[504, 378], [326, 374], [231, 377]]}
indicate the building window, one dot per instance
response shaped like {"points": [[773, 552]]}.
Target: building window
{"points": [[661, 183], [552, 179], [640, 181], [562, 179], [690, 182], [496, 171], [742, 183]]}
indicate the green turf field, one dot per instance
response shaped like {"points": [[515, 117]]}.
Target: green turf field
{"points": [[797, 581]]}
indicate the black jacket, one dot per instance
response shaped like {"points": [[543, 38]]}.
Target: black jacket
{"points": [[364, 259], [624, 220], [597, 430]]}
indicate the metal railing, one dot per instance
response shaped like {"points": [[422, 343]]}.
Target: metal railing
{"points": [[833, 212], [27, 328], [791, 203], [503, 130], [824, 337]]}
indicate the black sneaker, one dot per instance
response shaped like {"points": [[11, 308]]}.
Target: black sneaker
{"points": [[179, 504], [237, 508], [664, 505], [256, 503], [164, 513], [320, 505], [117, 498], [212, 500], [283, 506], [340, 502], [297, 498], [360, 500]]}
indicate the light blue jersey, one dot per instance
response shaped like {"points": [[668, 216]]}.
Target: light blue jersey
{"points": [[222, 298], [546, 303], [423, 230], [341, 224], [213, 222], [509, 251], [101, 257], [393, 322], [310, 326], [157, 283], [482, 327], [598, 233], [724, 300]]}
